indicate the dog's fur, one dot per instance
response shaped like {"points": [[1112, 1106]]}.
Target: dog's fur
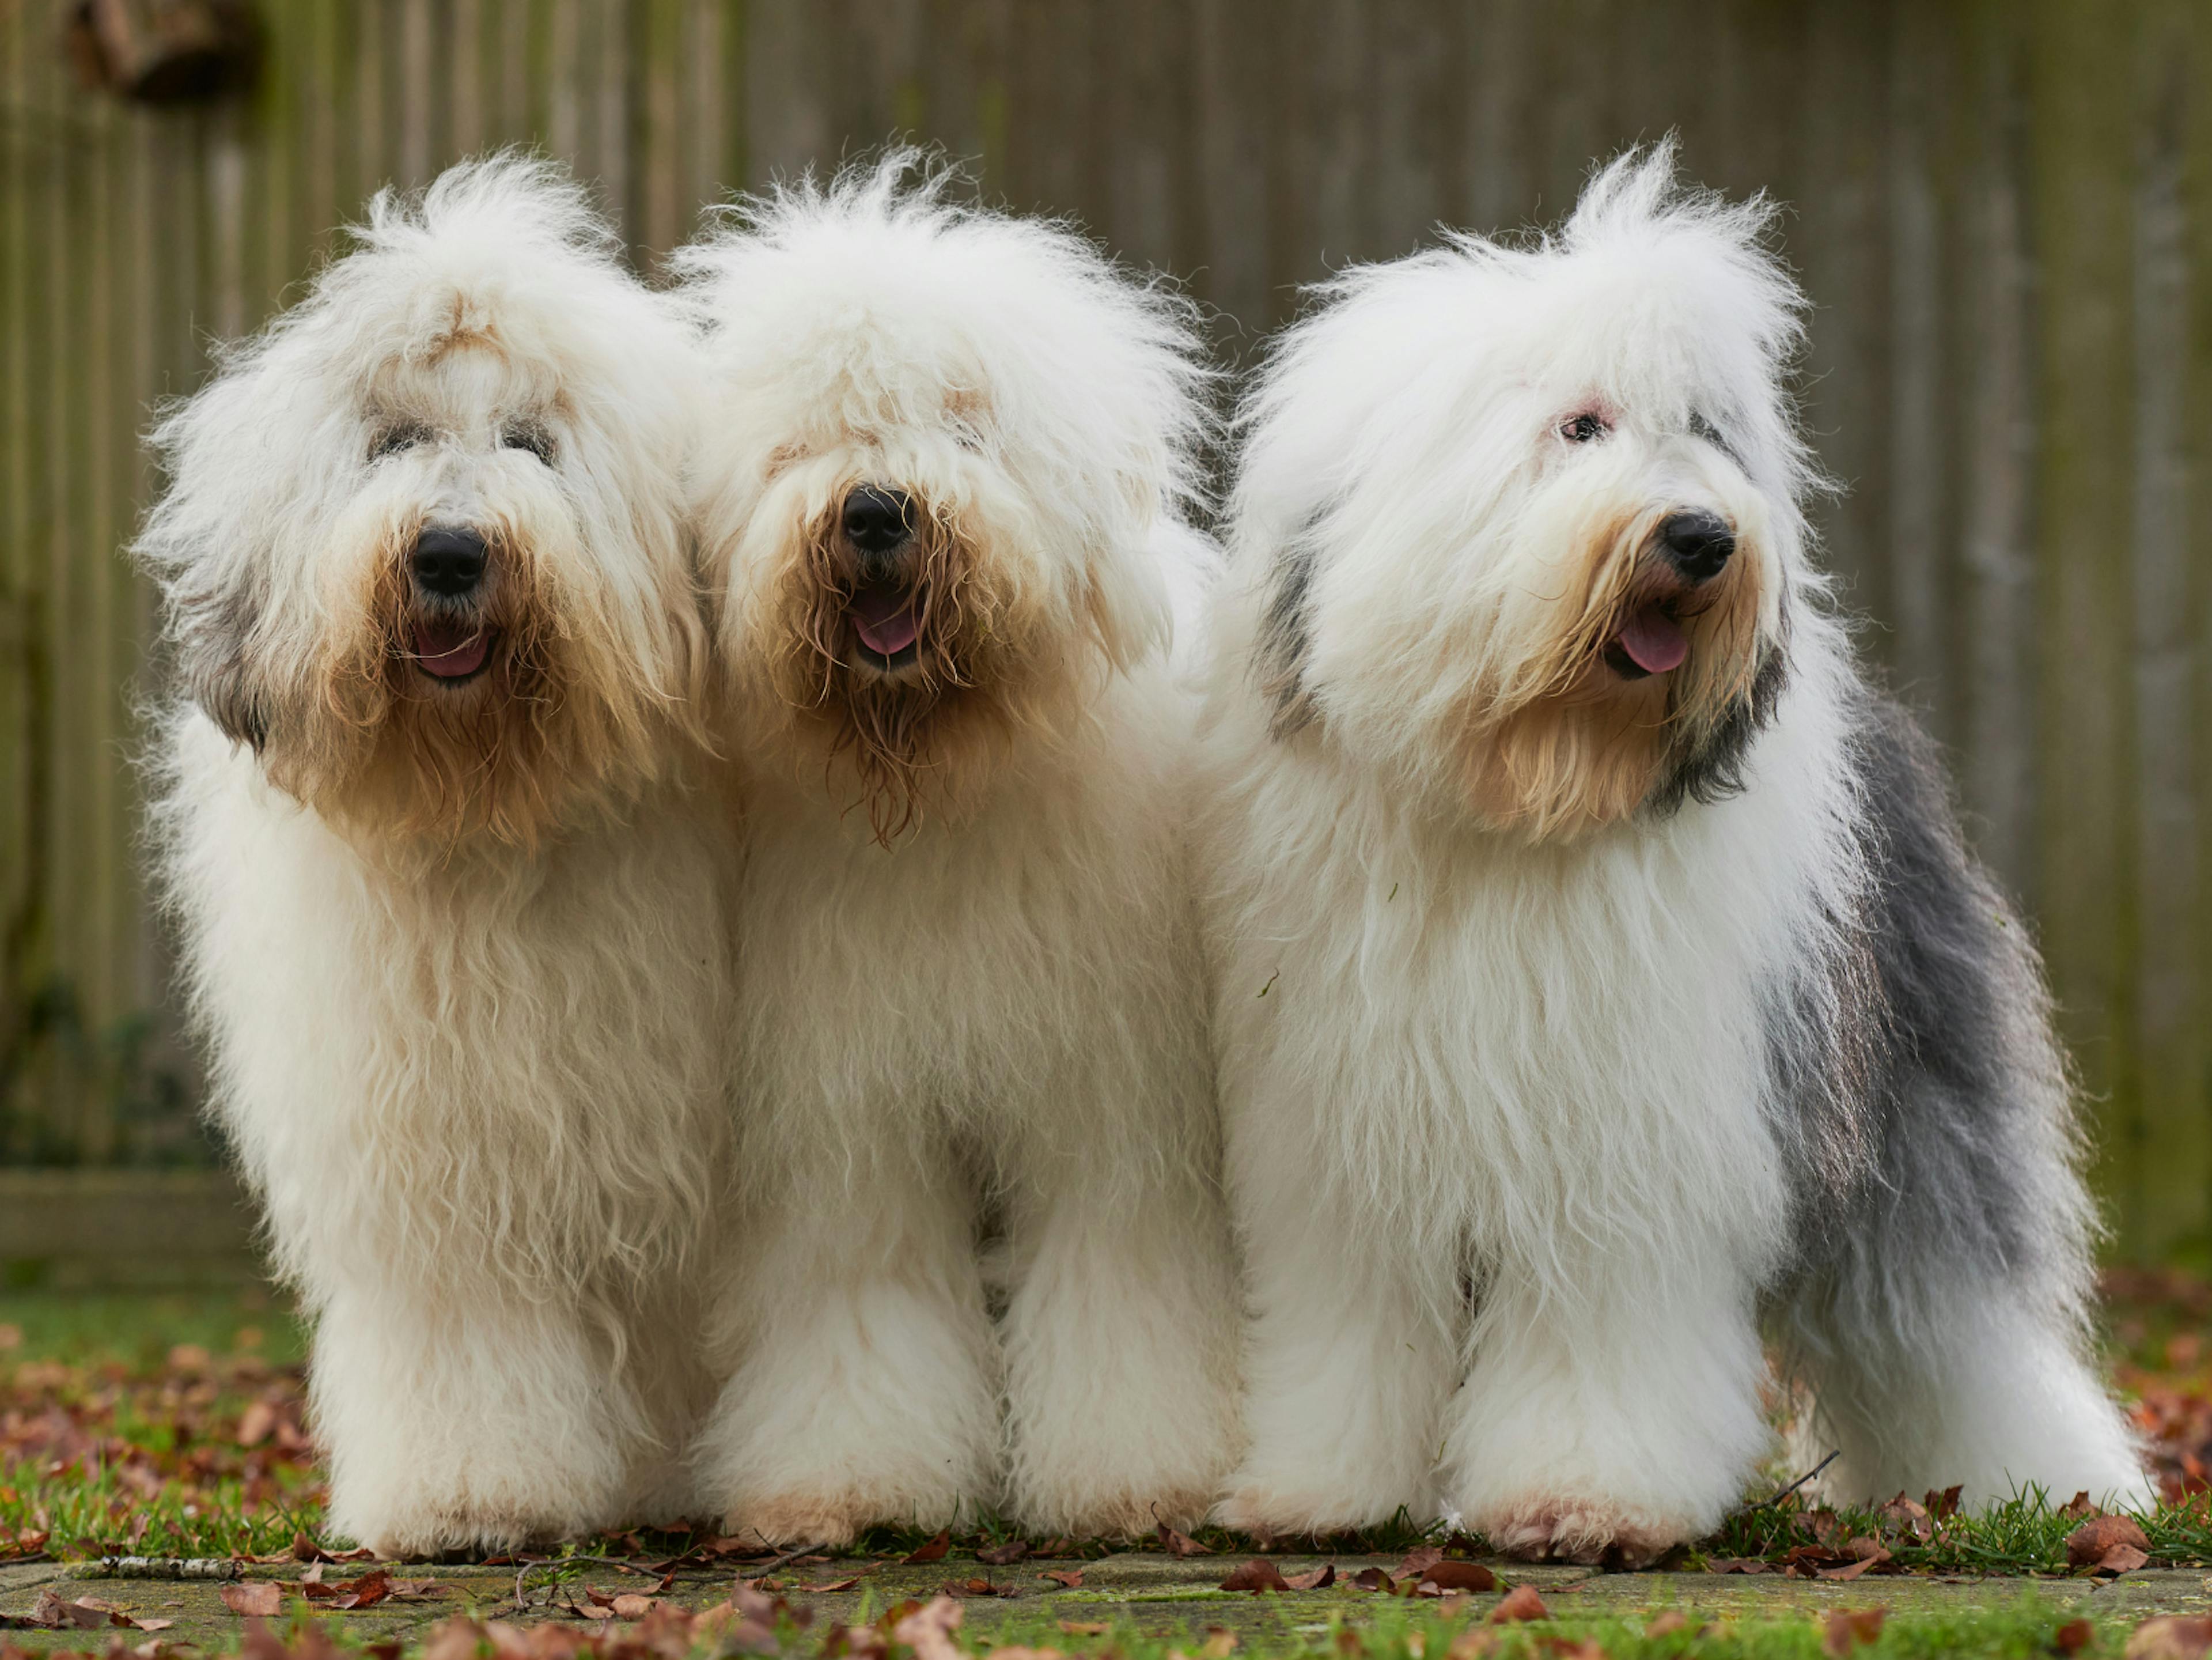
{"points": [[456, 944], [1571, 1016], [971, 999]]}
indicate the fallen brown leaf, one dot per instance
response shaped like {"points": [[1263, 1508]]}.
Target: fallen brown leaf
{"points": [[1320, 1578], [1181, 1544], [262, 1599], [1374, 1579], [836, 1584], [934, 1551], [999, 1556], [1866, 1554], [928, 1630], [977, 1587], [1458, 1576], [1944, 1504], [2107, 1544], [1847, 1628], [1522, 1603], [2072, 1637], [2078, 1506], [1418, 1562], [1257, 1576], [2175, 1636], [1071, 1578], [1735, 1564]]}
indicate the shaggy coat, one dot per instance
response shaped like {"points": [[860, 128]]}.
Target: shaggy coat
{"points": [[980, 1256], [450, 903], [1598, 966]]}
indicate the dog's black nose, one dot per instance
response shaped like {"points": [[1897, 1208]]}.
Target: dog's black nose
{"points": [[1700, 544], [449, 560], [877, 520]]}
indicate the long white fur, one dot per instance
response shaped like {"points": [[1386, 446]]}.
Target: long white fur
{"points": [[475, 1078], [1459, 1058], [998, 1018]]}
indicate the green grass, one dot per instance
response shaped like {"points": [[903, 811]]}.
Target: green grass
{"points": [[137, 1331]]}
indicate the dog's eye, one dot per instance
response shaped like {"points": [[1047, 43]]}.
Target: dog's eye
{"points": [[1584, 427], [529, 435], [400, 436]]}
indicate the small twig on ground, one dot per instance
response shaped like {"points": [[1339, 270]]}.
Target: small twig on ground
{"points": [[1769, 1504], [788, 1556]]}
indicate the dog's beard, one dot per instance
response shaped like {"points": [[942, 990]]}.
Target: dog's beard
{"points": [[1641, 675], [907, 735], [437, 724]]}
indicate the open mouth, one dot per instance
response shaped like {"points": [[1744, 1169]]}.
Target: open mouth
{"points": [[451, 652], [1649, 642], [887, 623]]}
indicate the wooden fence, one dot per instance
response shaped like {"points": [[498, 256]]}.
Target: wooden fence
{"points": [[2000, 206]]}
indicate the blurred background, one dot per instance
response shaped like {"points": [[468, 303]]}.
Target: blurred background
{"points": [[2000, 208]]}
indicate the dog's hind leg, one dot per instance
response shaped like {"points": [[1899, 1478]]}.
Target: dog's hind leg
{"points": [[865, 1388], [1939, 1311]]}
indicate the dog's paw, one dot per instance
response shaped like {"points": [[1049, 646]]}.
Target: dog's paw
{"points": [[1585, 1531], [790, 1519], [1124, 1517], [1266, 1512], [448, 1528]]}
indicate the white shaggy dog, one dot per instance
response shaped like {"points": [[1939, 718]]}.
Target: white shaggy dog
{"points": [[939, 491], [1599, 967], [450, 912]]}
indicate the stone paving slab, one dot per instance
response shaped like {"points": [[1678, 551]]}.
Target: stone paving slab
{"points": [[1154, 1593]]}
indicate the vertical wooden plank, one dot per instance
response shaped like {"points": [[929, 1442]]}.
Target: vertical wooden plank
{"points": [[657, 173], [707, 99], [2167, 1043], [1238, 66], [1997, 586], [787, 126], [2083, 142], [1838, 237], [1498, 166], [1419, 114], [1922, 67]]}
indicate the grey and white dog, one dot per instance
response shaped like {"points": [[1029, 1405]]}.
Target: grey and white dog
{"points": [[1589, 935]]}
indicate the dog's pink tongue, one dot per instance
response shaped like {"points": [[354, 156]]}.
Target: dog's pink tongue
{"points": [[884, 620], [450, 651], [1654, 640]]}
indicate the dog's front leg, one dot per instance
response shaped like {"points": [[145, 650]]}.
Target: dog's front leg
{"points": [[865, 1386], [464, 1417], [1349, 1356], [1612, 1416], [1120, 1334]]}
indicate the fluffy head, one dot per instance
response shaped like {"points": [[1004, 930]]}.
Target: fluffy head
{"points": [[1520, 524], [421, 544], [939, 442]]}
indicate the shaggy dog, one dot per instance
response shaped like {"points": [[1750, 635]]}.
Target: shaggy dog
{"points": [[1598, 963], [937, 491], [450, 912]]}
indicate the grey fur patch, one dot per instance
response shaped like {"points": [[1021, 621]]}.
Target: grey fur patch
{"points": [[1286, 637], [1942, 1081], [1713, 771], [212, 631]]}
